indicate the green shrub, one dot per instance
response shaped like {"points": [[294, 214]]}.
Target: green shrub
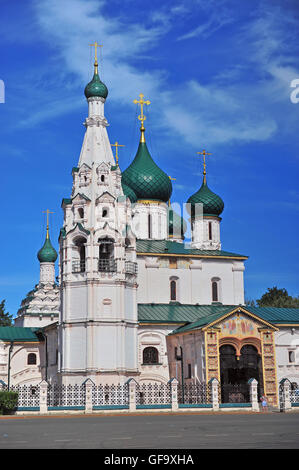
{"points": [[8, 401]]}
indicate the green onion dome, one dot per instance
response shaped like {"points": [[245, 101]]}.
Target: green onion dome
{"points": [[47, 254], [96, 87], [212, 204], [128, 192], [145, 178], [176, 224]]}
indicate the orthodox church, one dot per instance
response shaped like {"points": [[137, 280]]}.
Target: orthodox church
{"points": [[133, 299]]}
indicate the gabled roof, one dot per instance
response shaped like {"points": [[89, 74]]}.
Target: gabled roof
{"points": [[19, 334], [172, 248]]}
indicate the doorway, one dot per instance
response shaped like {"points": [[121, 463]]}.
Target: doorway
{"points": [[235, 372]]}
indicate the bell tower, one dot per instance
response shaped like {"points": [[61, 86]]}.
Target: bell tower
{"points": [[98, 269]]}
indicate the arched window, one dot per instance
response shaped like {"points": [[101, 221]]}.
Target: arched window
{"points": [[103, 178], [150, 355], [215, 295], [78, 265], [173, 292], [105, 213], [149, 226], [216, 289], [81, 212], [106, 255], [31, 359]]}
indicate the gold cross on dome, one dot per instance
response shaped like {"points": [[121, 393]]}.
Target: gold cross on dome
{"points": [[116, 145], [96, 45], [141, 117], [204, 153], [48, 212]]}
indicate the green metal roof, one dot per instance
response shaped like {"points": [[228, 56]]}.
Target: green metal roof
{"points": [[212, 203], [165, 247], [96, 88], [145, 178], [47, 254], [197, 316], [18, 334], [128, 192]]}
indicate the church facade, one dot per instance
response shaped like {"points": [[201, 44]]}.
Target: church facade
{"points": [[134, 300]]}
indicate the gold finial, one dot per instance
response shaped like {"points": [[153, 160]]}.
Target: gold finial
{"points": [[47, 212], [96, 45], [204, 153], [142, 117], [171, 179], [116, 145]]}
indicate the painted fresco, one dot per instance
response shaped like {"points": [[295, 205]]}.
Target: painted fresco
{"points": [[239, 325]]}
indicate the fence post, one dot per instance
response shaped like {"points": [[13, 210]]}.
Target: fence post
{"points": [[285, 390], [132, 394], [173, 384], [43, 397], [253, 394], [214, 384], [88, 395]]}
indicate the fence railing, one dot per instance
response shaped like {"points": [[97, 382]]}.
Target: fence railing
{"points": [[194, 393], [132, 395]]}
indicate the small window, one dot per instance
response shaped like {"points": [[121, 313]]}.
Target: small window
{"points": [[210, 231], [172, 290], [149, 226], [103, 178], [31, 359], [291, 356], [81, 213], [105, 213], [189, 372], [214, 291], [150, 355]]}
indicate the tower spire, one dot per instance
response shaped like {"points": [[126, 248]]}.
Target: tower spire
{"points": [[204, 153], [142, 117]]}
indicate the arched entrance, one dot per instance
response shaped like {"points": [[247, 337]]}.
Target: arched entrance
{"points": [[235, 371]]}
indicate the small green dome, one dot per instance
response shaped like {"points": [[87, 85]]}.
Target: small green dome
{"points": [[96, 88], [176, 224], [212, 204], [145, 178], [129, 193], [47, 254]]}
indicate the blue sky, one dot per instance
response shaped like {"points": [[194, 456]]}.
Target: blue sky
{"points": [[218, 75]]}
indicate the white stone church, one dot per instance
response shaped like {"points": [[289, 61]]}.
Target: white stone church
{"points": [[133, 300]]}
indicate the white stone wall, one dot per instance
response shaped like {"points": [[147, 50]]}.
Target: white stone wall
{"points": [[194, 280], [287, 340], [21, 373], [140, 224], [155, 336]]}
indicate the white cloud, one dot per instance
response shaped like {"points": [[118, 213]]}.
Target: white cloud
{"points": [[229, 108]]}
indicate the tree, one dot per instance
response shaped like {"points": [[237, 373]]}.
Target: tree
{"points": [[275, 297], [5, 317]]}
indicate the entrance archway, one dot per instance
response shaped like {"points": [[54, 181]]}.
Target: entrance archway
{"points": [[235, 371]]}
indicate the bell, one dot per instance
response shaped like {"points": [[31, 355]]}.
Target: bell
{"points": [[104, 248]]}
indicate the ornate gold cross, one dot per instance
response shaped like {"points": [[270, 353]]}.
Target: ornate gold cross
{"points": [[116, 145], [48, 212], [96, 45], [141, 117], [204, 153]]}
